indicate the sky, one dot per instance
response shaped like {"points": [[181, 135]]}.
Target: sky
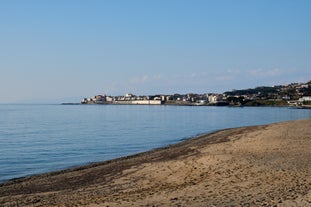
{"points": [[65, 50]]}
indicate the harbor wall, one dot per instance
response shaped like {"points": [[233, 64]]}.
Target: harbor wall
{"points": [[140, 102]]}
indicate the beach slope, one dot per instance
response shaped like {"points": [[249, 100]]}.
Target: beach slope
{"points": [[266, 165]]}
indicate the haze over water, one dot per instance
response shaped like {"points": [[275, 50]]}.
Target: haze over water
{"points": [[41, 138]]}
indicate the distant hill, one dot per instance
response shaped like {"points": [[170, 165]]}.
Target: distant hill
{"points": [[291, 91]]}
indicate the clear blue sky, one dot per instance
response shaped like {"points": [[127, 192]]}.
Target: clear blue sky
{"points": [[69, 49]]}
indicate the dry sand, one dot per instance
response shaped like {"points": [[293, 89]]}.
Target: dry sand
{"points": [[250, 166]]}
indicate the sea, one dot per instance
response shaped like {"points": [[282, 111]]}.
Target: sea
{"points": [[36, 139]]}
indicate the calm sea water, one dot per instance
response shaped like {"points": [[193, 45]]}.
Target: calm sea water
{"points": [[40, 138]]}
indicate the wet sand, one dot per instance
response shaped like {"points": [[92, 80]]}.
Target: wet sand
{"points": [[266, 165]]}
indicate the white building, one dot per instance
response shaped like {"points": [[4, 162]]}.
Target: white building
{"points": [[109, 99], [214, 98], [129, 95], [305, 98]]}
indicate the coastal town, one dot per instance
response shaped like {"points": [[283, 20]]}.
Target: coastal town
{"points": [[293, 94]]}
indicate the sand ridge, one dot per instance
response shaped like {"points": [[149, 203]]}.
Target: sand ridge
{"points": [[266, 165]]}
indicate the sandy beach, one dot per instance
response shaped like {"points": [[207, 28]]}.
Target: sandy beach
{"points": [[267, 165]]}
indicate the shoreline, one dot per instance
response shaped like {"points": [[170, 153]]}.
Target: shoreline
{"points": [[196, 104], [188, 173], [118, 159]]}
